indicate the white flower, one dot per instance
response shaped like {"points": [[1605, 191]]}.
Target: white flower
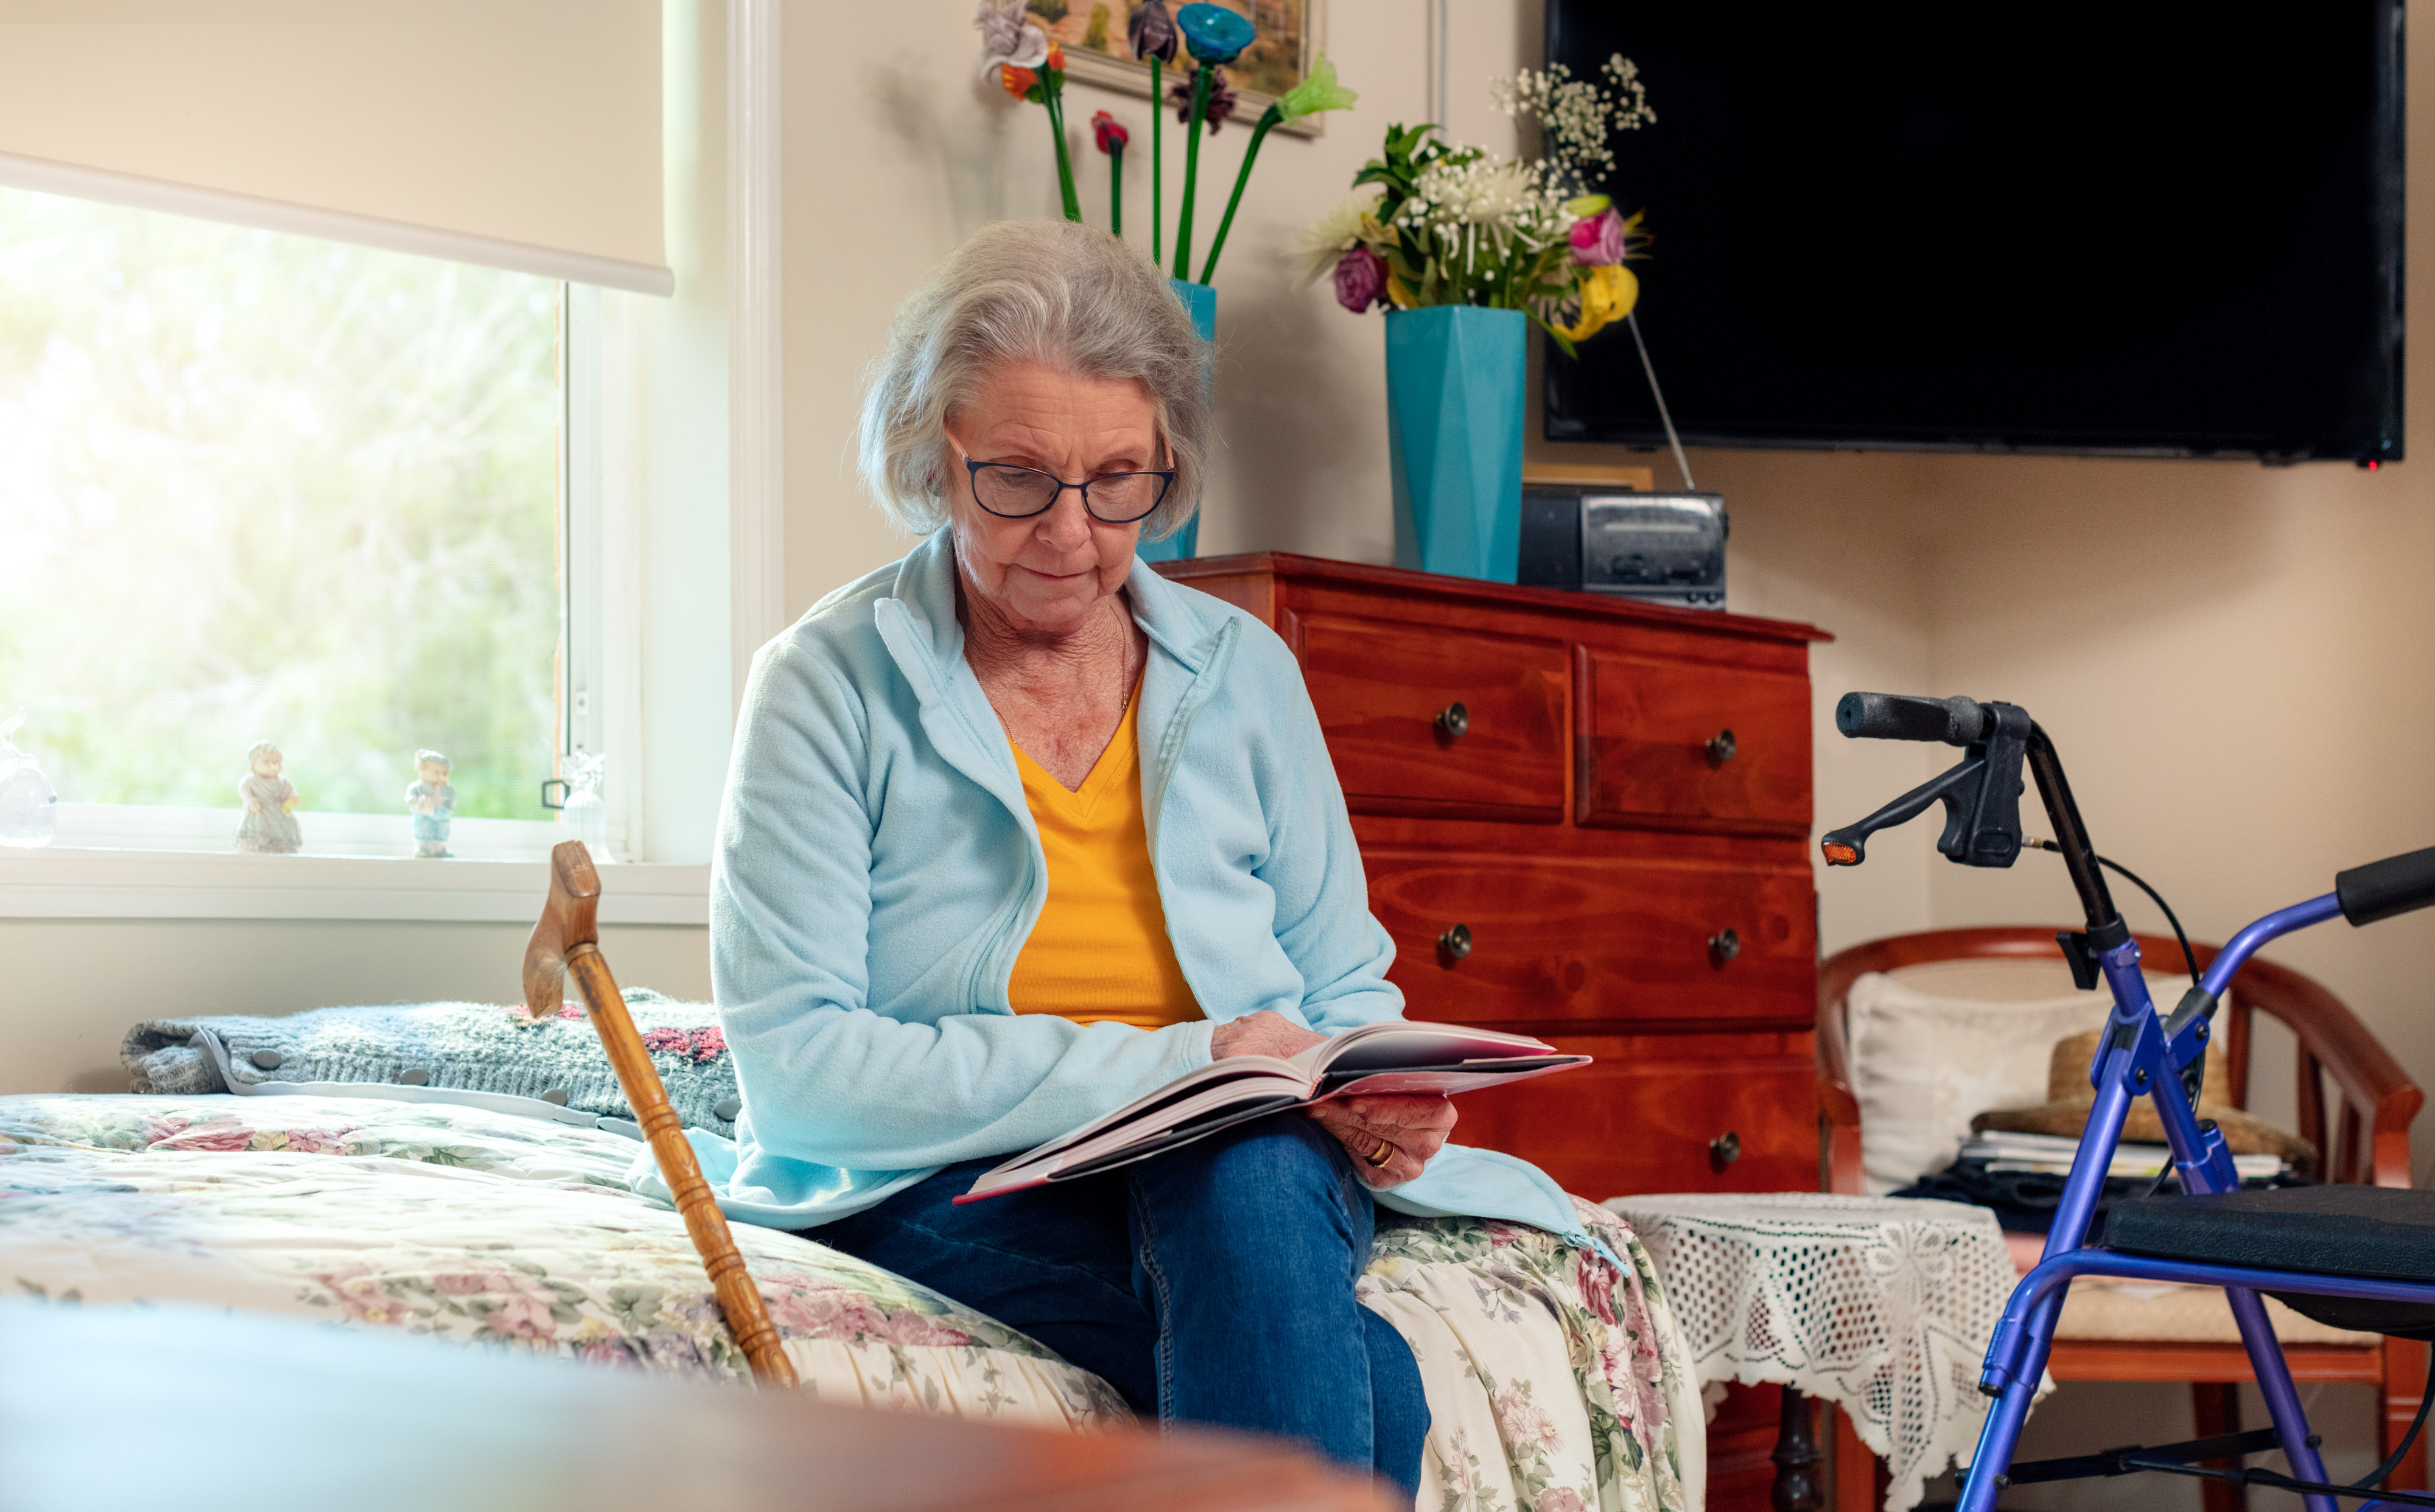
{"points": [[1008, 41], [1324, 240], [1577, 118]]}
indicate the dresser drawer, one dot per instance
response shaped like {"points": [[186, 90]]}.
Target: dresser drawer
{"points": [[1550, 943], [1433, 722], [1671, 744], [1637, 1124]]}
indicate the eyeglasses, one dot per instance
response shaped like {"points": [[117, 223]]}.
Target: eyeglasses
{"points": [[1012, 492]]}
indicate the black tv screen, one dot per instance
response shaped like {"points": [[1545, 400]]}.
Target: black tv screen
{"points": [[2077, 226]]}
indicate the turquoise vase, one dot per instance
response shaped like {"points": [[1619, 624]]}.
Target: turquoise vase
{"points": [[1200, 302], [1455, 382]]}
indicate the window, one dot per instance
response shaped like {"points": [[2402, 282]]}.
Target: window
{"points": [[261, 487]]}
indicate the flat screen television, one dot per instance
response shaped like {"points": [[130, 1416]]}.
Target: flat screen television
{"points": [[2072, 226]]}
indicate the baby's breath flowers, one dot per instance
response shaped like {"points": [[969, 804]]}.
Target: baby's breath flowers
{"points": [[1452, 225], [1577, 117]]}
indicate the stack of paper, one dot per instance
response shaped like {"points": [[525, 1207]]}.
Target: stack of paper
{"points": [[2053, 1154]]}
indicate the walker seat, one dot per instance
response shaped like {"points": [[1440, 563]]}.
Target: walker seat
{"points": [[2386, 1234]]}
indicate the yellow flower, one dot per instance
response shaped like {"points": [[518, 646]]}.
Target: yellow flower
{"points": [[1397, 294], [1608, 294]]}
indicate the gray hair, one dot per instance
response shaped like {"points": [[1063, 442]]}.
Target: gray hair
{"points": [[1048, 291]]}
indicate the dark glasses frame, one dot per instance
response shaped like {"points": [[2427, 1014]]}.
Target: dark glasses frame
{"points": [[974, 470]]}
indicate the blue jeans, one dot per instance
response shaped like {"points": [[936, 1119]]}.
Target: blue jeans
{"points": [[1210, 1284]]}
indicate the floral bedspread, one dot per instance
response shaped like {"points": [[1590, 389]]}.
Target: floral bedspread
{"points": [[1554, 1380], [1556, 1383]]}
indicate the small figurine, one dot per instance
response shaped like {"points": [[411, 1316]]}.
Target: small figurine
{"points": [[269, 827], [433, 804], [28, 809]]}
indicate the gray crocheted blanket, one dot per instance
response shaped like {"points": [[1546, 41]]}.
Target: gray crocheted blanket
{"points": [[434, 1049]]}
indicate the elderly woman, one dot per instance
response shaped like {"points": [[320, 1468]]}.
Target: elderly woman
{"points": [[1018, 831]]}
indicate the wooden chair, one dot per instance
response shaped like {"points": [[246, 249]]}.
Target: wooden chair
{"points": [[2370, 1143]]}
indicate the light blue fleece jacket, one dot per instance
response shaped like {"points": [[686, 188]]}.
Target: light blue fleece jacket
{"points": [[878, 871]]}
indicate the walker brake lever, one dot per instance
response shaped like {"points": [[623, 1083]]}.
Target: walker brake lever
{"points": [[1982, 799]]}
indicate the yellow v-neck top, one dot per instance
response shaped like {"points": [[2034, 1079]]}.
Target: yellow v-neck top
{"points": [[1099, 954]]}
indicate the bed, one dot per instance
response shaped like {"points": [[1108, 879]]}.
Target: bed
{"points": [[1556, 1380]]}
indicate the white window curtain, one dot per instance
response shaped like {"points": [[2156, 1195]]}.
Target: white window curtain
{"points": [[523, 134]]}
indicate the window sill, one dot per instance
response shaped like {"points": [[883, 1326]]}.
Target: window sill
{"points": [[93, 883]]}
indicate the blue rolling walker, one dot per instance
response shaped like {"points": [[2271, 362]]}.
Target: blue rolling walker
{"points": [[2356, 1257]]}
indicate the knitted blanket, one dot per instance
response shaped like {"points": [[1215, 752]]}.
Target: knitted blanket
{"points": [[463, 1047]]}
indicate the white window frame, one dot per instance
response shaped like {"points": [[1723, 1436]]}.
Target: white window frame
{"points": [[656, 649]]}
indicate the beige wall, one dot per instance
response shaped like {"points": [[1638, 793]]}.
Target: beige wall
{"points": [[2235, 674], [895, 151], [69, 988]]}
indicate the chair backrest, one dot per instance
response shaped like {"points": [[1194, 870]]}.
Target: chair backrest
{"points": [[2376, 1100]]}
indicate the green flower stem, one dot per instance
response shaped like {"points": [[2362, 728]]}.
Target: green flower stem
{"points": [[1270, 117], [1116, 192], [1157, 161], [1053, 96], [1191, 172]]}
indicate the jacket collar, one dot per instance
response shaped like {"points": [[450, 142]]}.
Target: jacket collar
{"points": [[916, 623], [925, 592]]}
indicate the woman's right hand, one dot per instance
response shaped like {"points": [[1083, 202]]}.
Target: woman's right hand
{"points": [[1265, 1033]]}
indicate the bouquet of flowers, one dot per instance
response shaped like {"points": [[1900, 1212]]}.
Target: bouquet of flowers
{"points": [[1031, 67], [1452, 225]]}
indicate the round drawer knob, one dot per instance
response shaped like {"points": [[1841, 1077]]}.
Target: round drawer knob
{"points": [[1725, 1149], [1455, 941], [1454, 721], [1720, 747], [1724, 945]]}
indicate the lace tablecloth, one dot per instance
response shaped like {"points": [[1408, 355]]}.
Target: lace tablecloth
{"points": [[1882, 1307]]}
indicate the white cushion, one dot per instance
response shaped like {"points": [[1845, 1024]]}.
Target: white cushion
{"points": [[1925, 1060]]}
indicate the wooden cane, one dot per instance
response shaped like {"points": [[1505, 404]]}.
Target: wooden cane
{"points": [[567, 939]]}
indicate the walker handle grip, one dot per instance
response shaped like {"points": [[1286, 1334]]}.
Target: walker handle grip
{"points": [[1901, 717], [2382, 889]]}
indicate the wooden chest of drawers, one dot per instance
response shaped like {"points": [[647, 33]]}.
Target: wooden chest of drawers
{"points": [[1586, 819], [1589, 820]]}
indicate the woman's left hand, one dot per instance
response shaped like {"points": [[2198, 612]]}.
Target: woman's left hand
{"points": [[1413, 1128]]}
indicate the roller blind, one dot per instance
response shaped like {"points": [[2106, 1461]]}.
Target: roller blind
{"points": [[517, 134]]}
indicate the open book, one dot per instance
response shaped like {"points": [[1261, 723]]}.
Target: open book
{"points": [[1396, 1057]]}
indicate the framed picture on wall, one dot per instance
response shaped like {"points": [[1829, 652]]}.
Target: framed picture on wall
{"points": [[1290, 34]]}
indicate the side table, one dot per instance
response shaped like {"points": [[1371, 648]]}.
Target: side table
{"points": [[1881, 1307]]}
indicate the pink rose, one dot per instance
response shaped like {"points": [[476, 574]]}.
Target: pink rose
{"points": [[1596, 1280], [1598, 240], [1360, 280], [1559, 1499]]}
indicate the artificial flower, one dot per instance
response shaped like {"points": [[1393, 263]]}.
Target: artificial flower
{"points": [[1029, 67], [1360, 280], [1009, 41], [1222, 98], [1316, 93], [1319, 92], [1608, 293], [1599, 240], [1214, 34], [1109, 132], [1151, 32]]}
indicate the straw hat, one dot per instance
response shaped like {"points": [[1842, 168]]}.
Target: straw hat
{"points": [[2070, 1098]]}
